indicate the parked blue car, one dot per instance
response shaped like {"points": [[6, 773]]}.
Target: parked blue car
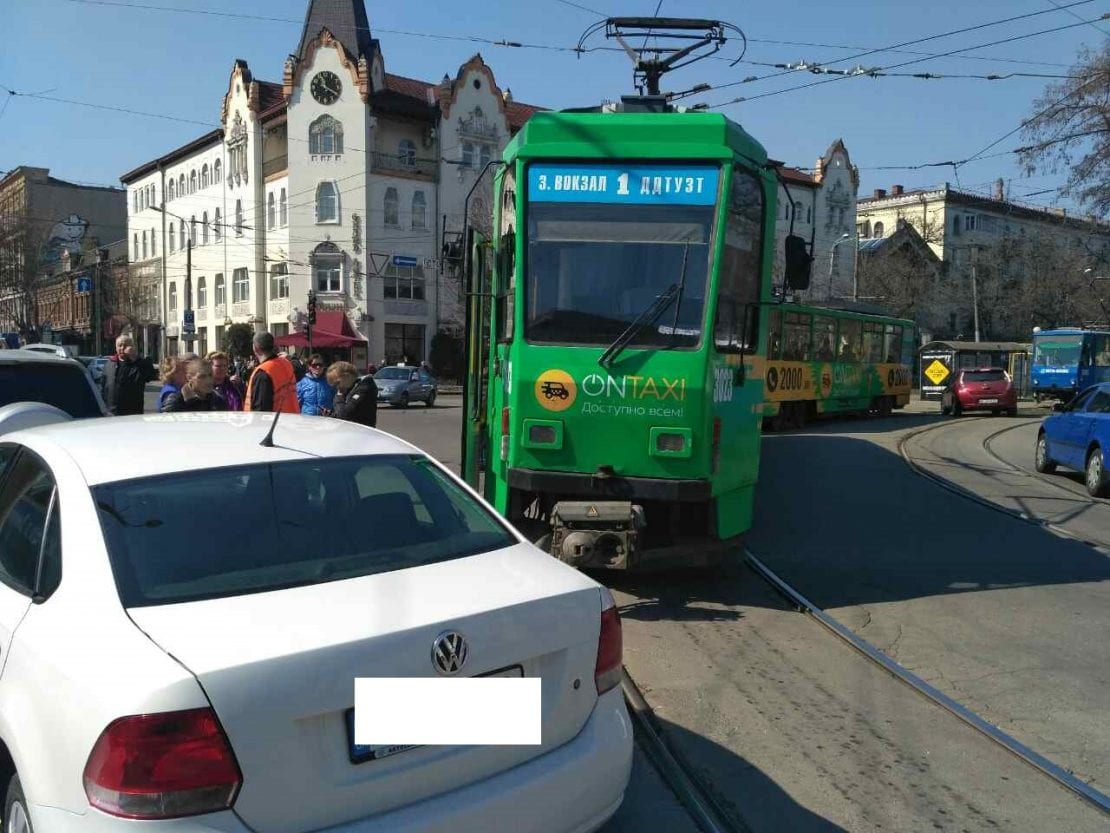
{"points": [[1078, 437]]}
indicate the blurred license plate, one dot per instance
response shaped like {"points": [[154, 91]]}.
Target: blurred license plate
{"points": [[361, 752], [988, 401]]}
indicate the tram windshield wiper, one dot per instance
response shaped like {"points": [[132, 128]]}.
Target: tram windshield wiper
{"points": [[644, 319]]}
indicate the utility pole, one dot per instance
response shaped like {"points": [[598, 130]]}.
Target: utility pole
{"points": [[975, 298]]}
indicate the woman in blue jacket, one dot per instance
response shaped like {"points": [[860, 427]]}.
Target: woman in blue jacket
{"points": [[314, 394]]}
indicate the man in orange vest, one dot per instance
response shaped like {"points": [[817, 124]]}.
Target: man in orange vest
{"points": [[273, 384]]}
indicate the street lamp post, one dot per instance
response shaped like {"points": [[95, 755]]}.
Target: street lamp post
{"points": [[832, 257]]}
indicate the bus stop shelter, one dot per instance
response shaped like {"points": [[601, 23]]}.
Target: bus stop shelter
{"points": [[940, 359]]}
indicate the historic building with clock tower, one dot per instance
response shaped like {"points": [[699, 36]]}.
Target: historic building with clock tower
{"points": [[343, 180]]}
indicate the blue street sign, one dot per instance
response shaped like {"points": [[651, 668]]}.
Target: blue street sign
{"points": [[84, 284], [405, 260], [624, 184]]}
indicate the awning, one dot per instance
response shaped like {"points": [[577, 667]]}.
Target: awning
{"points": [[332, 329]]}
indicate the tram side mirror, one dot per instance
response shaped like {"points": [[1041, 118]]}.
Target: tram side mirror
{"points": [[798, 263]]}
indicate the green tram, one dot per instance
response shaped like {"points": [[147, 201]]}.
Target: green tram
{"points": [[823, 361], [615, 327]]}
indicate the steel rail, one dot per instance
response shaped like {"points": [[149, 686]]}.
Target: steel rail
{"points": [[1003, 739], [675, 773]]}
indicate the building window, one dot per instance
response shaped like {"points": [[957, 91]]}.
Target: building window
{"points": [[153, 253], [270, 211], [171, 190], [204, 228], [404, 343], [970, 222], [144, 245], [483, 157], [204, 176], [217, 226], [468, 155], [419, 211], [284, 209], [221, 290], [325, 136], [202, 293], [173, 296], [878, 230], [327, 203], [327, 267], [135, 201], [240, 286], [193, 230], [406, 153], [238, 218], [181, 185], [193, 182], [279, 281], [184, 239], [173, 245], [135, 247], [392, 207], [404, 283], [216, 173]]}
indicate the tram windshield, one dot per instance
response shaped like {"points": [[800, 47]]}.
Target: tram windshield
{"points": [[594, 267], [1057, 351]]}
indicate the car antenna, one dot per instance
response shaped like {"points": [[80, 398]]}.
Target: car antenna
{"points": [[268, 440]]}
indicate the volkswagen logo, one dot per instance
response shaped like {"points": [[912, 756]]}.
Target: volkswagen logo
{"points": [[449, 652]]}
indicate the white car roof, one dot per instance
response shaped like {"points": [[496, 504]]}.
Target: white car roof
{"points": [[23, 355], [121, 448]]}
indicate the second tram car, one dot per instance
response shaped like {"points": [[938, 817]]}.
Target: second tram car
{"points": [[1067, 360], [822, 360]]}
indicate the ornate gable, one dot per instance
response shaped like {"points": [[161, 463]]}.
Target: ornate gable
{"points": [[358, 68], [447, 91]]}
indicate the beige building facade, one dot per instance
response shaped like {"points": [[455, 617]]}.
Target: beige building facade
{"points": [[343, 180]]}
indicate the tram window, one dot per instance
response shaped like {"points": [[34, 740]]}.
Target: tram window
{"points": [[796, 337], [824, 337], [774, 337], [737, 321], [850, 333], [1100, 350], [506, 267], [892, 343], [872, 342]]}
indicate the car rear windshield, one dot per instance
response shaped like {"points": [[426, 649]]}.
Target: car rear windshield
{"points": [[62, 385], [250, 529], [403, 373], [984, 376]]}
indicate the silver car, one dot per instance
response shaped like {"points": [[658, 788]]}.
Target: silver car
{"points": [[399, 385]]}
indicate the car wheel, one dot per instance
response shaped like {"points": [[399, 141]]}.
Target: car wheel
{"points": [[431, 400], [1096, 474], [403, 402], [1041, 461], [957, 409], [1011, 412], [944, 409], [16, 817]]}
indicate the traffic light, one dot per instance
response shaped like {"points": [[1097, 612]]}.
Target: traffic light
{"points": [[311, 308]]}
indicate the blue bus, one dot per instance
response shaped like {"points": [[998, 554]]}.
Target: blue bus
{"points": [[1068, 360]]}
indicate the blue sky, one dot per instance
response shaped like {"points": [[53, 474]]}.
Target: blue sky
{"points": [[177, 64]]}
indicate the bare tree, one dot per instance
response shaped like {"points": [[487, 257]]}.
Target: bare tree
{"points": [[21, 246], [1070, 130]]}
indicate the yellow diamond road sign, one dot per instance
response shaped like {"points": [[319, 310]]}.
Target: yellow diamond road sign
{"points": [[936, 372]]}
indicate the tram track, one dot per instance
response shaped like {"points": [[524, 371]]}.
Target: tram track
{"points": [[1056, 773], [967, 494], [673, 768]]}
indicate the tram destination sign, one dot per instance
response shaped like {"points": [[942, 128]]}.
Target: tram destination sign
{"points": [[624, 184]]}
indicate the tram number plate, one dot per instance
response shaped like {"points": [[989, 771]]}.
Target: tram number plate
{"points": [[988, 401]]}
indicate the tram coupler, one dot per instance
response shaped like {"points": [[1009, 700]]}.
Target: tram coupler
{"points": [[599, 534]]}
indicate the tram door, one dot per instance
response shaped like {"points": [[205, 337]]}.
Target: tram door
{"points": [[475, 444]]}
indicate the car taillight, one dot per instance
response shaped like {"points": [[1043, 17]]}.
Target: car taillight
{"points": [[159, 766], [504, 434], [607, 671]]}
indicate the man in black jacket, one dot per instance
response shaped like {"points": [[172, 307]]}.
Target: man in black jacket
{"points": [[125, 378], [356, 399]]}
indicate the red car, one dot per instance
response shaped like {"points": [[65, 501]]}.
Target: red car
{"points": [[986, 389]]}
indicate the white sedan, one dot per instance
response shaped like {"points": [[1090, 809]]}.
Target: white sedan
{"points": [[183, 611]]}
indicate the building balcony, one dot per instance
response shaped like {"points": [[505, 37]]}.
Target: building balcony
{"points": [[201, 314], [280, 308], [240, 309], [407, 166], [220, 313], [276, 165]]}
